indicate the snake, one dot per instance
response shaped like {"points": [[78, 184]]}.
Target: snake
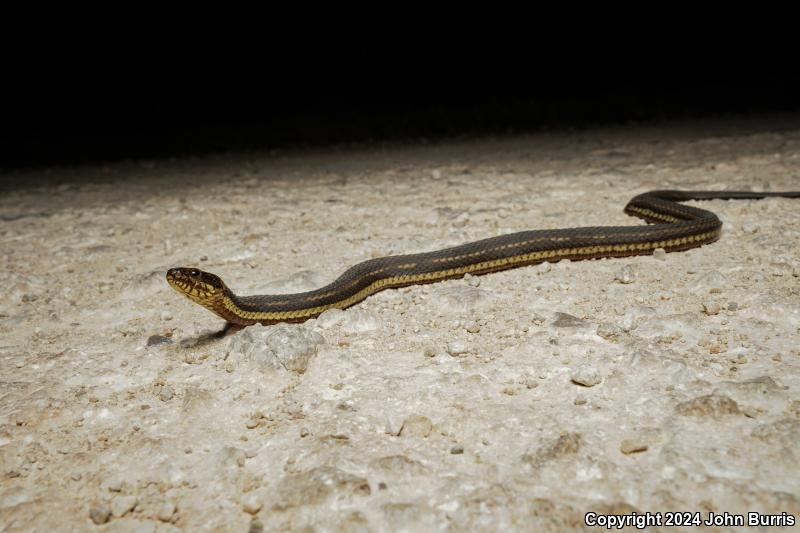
{"points": [[671, 226]]}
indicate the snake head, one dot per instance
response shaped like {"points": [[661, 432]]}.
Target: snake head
{"points": [[201, 287]]}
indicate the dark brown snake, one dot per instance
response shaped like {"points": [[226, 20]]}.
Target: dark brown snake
{"points": [[676, 227]]}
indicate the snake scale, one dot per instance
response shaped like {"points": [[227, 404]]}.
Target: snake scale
{"points": [[673, 227]]}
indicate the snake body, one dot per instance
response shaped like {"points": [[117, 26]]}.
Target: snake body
{"points": [[675, 227]]}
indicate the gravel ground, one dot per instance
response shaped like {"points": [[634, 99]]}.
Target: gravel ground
{"points": [[520, 400]]}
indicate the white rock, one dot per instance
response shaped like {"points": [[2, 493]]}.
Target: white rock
{"points": [[608, 331], [393, 424], [629, 446], [748, 227], [588, 376], [628, 322], [281, 346], [123, 504], [330, 318], [416, 426], [625, 275], [358, 321], [166, 511], [251, 504], [472, 327], [294, 346], [456, 348], [100, 514]]}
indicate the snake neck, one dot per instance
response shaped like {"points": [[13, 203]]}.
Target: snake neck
{"points": [[225, 306]]}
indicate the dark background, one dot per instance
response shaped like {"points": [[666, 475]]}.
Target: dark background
{"points": [[65, 109]]}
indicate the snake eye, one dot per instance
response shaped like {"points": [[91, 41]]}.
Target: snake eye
{"points": [[194, 272]]}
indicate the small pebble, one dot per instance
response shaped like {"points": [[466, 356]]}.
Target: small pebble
{"points": [[122, 505], [166, 511], [251, 504], [256, 526], [580, 400], [629, 446], [588, 376], [608, 331], [100, 514], [660, 254], [330, 318], [739, 359], [473, 327], [114, 484], [393, 425], [456, 348], [711, 308], [416, 426], [294, 347], [457, 449], [749, 228], [193, 358], [625, 275], [166, 393], [543, 268], [628, 322], [166, 315], [733, 306], [304, 433], [429, 351]]}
